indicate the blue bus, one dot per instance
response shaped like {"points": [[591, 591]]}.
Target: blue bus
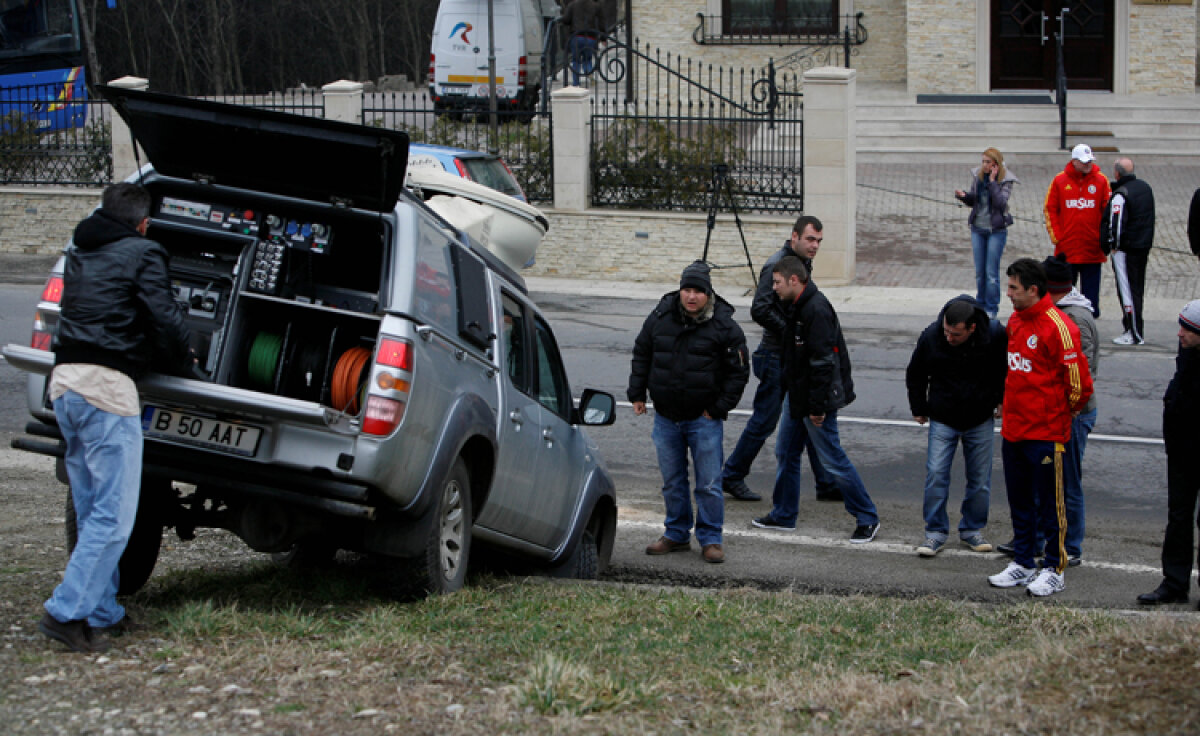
{"points": [[42, 79]]}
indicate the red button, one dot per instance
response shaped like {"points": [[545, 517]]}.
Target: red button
{"points": [[248, 215]]}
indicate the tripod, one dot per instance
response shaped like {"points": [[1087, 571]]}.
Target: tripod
{"points": [[721, 183]]}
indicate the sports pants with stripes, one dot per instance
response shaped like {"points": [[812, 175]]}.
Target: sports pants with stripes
{"points": [[1129, 272], [1033, 476]]}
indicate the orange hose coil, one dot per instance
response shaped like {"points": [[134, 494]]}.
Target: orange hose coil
{"points": [[346, 376]]}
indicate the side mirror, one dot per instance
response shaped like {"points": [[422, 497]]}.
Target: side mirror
{"points": [[596, 408]]}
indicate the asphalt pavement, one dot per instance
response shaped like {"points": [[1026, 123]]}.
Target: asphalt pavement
{"points": [[913, 255]]}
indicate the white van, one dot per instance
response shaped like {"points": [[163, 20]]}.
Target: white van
{"points": [[458, 56]]}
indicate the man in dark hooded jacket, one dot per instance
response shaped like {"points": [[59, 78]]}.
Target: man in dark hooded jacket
{"points": [[816, 375], [690, 356], [955, 382], [118, 318]]}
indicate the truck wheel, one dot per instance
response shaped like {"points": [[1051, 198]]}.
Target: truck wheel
{"points": [[141, 553], [584, 562], [442, 566]]}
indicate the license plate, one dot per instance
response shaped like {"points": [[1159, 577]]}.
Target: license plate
{"points": [[234, 437]]}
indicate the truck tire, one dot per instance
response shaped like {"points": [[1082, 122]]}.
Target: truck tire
{"points": [[584, 562], [442, 565], [145, 541]]}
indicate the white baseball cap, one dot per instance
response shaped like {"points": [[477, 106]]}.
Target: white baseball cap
{"points": [[1083, 152]]}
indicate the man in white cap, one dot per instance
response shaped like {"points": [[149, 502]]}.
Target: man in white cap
{"points": [[1181, 434], [1073, 210]]}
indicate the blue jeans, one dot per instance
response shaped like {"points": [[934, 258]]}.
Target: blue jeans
{"points": [[988, 246], [104, 464], [825, 445], [672, 441], [1088, 276], [768, 406], [582, 53], [977, 457], [826, 442], [1081, 427]]}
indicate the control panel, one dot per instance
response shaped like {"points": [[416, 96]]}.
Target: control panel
{"points": [[238, 220], [310, 236]]}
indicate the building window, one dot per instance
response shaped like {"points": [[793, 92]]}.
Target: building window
{"points": [[779, 17]]}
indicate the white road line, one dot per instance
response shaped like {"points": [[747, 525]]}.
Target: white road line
{"points": [[908, 550], [910, 424]]}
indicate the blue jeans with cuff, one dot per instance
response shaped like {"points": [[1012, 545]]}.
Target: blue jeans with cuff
{"points": [[104, 464]]}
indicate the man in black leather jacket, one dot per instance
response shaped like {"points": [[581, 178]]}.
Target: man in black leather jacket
{"points": [[118, 318], [816, 373], [767, 366]]}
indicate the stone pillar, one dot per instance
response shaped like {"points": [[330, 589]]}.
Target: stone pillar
{"points": [[123, 159], [343, 101], [829, 168], [572, 111]]}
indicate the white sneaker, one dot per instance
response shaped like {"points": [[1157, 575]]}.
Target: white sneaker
{"points": [[1012, 576], [1127, 339], [1047, 582]]}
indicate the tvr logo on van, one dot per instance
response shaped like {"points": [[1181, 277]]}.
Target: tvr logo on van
{"points": [[466, 27]]}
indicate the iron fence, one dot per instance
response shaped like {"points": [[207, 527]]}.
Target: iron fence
{"points": [[305, 101], [660, 148], [47, 140], [522, 138]]}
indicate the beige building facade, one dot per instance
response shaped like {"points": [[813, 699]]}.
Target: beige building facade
{"points": [[957, 46]]}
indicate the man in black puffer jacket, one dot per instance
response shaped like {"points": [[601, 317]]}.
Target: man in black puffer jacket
{"points": [[955, 382], [816, 375], [118, 318], [691, 358]]}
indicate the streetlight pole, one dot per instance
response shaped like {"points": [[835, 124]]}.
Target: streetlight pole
{"points": [[494, 142]]}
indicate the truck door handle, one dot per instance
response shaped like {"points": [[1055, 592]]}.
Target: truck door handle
{"points": [[515, 417], [1044, 39], [548, 436]]}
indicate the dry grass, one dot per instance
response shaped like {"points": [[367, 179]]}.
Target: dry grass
{"points": [[265, 652]]}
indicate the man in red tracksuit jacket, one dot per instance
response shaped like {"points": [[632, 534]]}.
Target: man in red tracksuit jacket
{"points": [[1073, 210], [1048, 383]]}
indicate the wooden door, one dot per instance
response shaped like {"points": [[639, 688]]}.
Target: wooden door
{"points": [[1023, 45]]}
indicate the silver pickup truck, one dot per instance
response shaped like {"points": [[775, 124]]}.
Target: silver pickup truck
{"points": [[369, 378]]}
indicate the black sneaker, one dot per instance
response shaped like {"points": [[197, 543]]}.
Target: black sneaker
{"points": [[77, 635], [770, 522], [863, 534], [1008, 548], [739, 490]]}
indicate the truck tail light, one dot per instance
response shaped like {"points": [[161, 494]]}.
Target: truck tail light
{"points": [[388, 395], [522, 72], [432, 58], [41, 335], [382, 415], [52, 291]]}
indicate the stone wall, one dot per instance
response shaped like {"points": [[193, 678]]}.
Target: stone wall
{"points": [[1162, 49], [608, 245], [40, 221], [941, 38]]}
